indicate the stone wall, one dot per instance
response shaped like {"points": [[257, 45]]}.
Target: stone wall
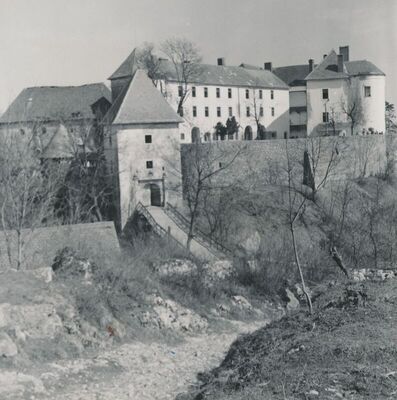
{"points": [[266, 162]]}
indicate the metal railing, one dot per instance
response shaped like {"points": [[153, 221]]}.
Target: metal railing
{"points": [[140, 208], [210, 244]]}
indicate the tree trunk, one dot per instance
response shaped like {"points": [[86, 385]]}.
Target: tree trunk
{"points": [[191, 230], [297, 261], [19, 248], [338, 259]]}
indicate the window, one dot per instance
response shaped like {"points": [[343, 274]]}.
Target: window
{"points": [[194, 111], [205, 92], [149, 164], [325, 94], [247, 93], [230, 111], [194, 91], [261, 113], [260, 94], [182, 136], [367, 91], [181, 111], [285, 135], [148, 138], [206, 112], [325, 117], [110, 140], [180, 91], [274, 135], [248, 112], [218, 111], [272, 111], [229, 93], [272, 94], [220, 165], [218, 92]]}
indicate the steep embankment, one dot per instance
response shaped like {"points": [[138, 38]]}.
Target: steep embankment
{"points": [[347, 349], [83, 332]]}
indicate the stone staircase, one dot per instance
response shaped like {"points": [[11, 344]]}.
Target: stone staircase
{"points": [[167, 221]]}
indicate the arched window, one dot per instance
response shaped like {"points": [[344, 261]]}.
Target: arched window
{"points": [[248, 133], [195, 135]]}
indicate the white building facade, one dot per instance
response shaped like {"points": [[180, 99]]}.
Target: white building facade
{"points": [[255, 97], [207, 105], [142, 148], [336, 97], [345, 97]]}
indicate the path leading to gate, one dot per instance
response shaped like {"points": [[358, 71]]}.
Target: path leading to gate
{"points": [[179, 234], [141, 371]]}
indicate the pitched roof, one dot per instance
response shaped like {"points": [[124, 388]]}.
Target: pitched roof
{"points": [[42, 244], [362, 67], [142, 103], [293, 75], [227, 76], [209, 74], [55, 103], [127, 67], [328, 68]]}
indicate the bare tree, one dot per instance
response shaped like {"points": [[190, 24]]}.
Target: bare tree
{"points": [[298, 194], [186, 59], [205, 164], [151, 63], [85, 194], [390, 115], [352, 107], [28, 188], [257, 112]]}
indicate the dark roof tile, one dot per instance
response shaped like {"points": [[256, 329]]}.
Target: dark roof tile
{"points": [[362, 67], [55, 103], [209, 74], [293, 75], [143, 104]]}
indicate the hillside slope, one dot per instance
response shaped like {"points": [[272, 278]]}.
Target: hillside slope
{"points": [[347, 349]]}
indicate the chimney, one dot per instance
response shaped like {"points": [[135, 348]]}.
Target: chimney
{"points": [[311, 65], [340, 62], [221, 61], [344, 50], [268, 66], [324, 56]]}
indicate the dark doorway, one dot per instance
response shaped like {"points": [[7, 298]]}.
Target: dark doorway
{"points": [[248, 133], [196, 136], [155, 195]]}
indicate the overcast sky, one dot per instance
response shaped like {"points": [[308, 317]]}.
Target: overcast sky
{"points": [[71, 42]]}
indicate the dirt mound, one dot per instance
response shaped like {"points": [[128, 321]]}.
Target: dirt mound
{"points": [[345, 350]]}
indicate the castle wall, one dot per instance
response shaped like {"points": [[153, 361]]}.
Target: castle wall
{"points": [[265, 162]]}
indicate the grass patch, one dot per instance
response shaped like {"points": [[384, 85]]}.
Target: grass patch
{"points": [[347, 347]]}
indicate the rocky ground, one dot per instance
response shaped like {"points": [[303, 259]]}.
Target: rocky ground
{"points": [[155, 371], [51, 349]]}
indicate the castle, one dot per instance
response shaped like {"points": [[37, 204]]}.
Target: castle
{"points": [[141, 131]]}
